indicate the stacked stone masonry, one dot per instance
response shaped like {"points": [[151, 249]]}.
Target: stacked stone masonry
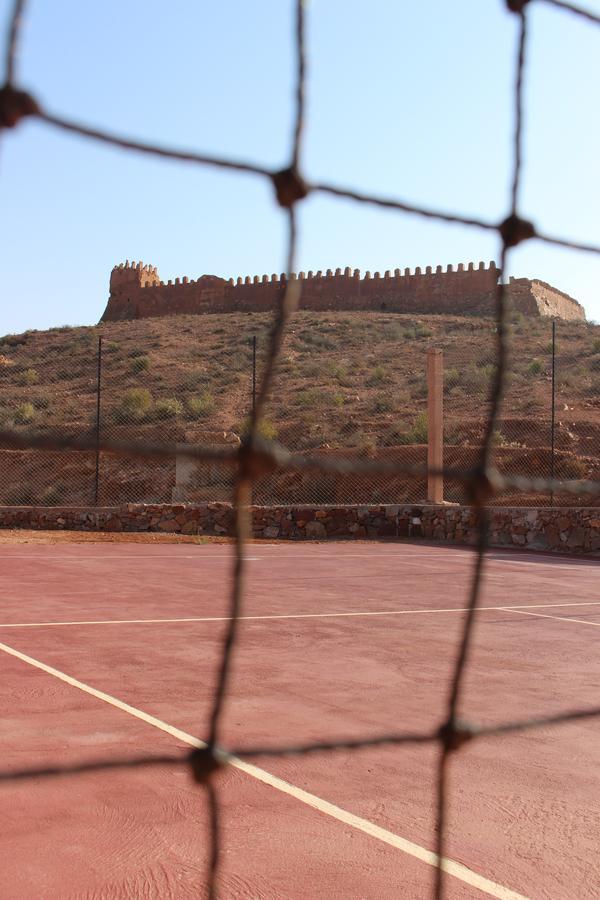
{"points": [[575, 530], [136, 292]]}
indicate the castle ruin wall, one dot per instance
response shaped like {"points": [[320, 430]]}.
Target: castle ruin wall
{"points": [[136, 292]]}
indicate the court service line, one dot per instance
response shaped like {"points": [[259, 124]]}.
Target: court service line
{"points": [[557, 618], [331, 615], [456, 869]]}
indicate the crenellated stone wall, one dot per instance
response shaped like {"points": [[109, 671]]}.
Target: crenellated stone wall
{"points": [[572, 530], [136, 292]]}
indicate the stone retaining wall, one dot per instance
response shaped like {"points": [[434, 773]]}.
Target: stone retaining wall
{"points": [[574, 530]]}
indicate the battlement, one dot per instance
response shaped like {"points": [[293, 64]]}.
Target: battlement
{"points": [[127, 275], [136, 291]]}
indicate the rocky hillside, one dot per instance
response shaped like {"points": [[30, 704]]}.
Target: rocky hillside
{"points": [[346, 380]]}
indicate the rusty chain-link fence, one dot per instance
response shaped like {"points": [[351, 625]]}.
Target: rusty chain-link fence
{"points": [[258, 457], [366, 398]]}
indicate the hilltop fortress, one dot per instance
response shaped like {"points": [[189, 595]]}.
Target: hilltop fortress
{"points": [[136, 292]]}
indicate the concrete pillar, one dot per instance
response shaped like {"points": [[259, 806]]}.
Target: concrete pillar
{"points": [[435, 423]]}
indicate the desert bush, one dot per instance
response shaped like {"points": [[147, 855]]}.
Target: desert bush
{"points": [[139, 364], [378, 376], [13, 340], [24, 413], [418, 390], [535, 367], [310, 397], [134, 406], [595, 364], [111, 347], [29, 376], [200, 407], [417, 434], [266, 428], [383, 404], [596, 345], [416, 331], [451, 379], [571, 467], [166, 408]]}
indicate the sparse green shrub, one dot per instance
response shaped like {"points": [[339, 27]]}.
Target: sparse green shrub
{"points": [[535, 367], [595, 364], [418, 390], [477, 378], [136, 353], [110, 347], [596, 345], [383, 404], [200, 407], [451, 379], [378, 376], [417, 434], [548, 348], [139, 364], [364, 441], [266, 428], [167, 408], [338, 399], [24, 413], [310, 397], [416, 331], [134, 406], [29, 376]]}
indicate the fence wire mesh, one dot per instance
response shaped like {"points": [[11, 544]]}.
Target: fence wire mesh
{"points": [[257, 457], [354, 387]]}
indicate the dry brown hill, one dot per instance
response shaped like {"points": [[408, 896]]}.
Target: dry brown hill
{"points": [[346, 380]]}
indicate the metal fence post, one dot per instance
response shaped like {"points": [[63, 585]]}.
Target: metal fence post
{"points": [[435, 424], [253, 374], [553, 411], [98, 395]]}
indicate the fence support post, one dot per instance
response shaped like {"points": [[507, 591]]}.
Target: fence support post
{"points": [[253, 374], [98, 393], [435, 424], [553, 411]]}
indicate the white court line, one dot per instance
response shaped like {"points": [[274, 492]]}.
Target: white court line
{"points": [[415, 559], [557, 618], [456, 869], [332, 615]]}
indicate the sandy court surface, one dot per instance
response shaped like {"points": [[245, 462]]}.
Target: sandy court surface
{"points": [[109, 649]]}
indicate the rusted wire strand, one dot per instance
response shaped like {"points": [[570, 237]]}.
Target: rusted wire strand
{"points": [[574, 10], [12, 44]]}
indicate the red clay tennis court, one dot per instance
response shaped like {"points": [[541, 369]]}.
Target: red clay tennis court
{"points": [[109, 650]]}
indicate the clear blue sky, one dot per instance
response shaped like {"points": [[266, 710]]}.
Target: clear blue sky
{"points": [[410, 99]]}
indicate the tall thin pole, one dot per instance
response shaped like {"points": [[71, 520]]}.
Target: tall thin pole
{"points": [[253, 374], [552, 411], [98, 394], [435, 424]]}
